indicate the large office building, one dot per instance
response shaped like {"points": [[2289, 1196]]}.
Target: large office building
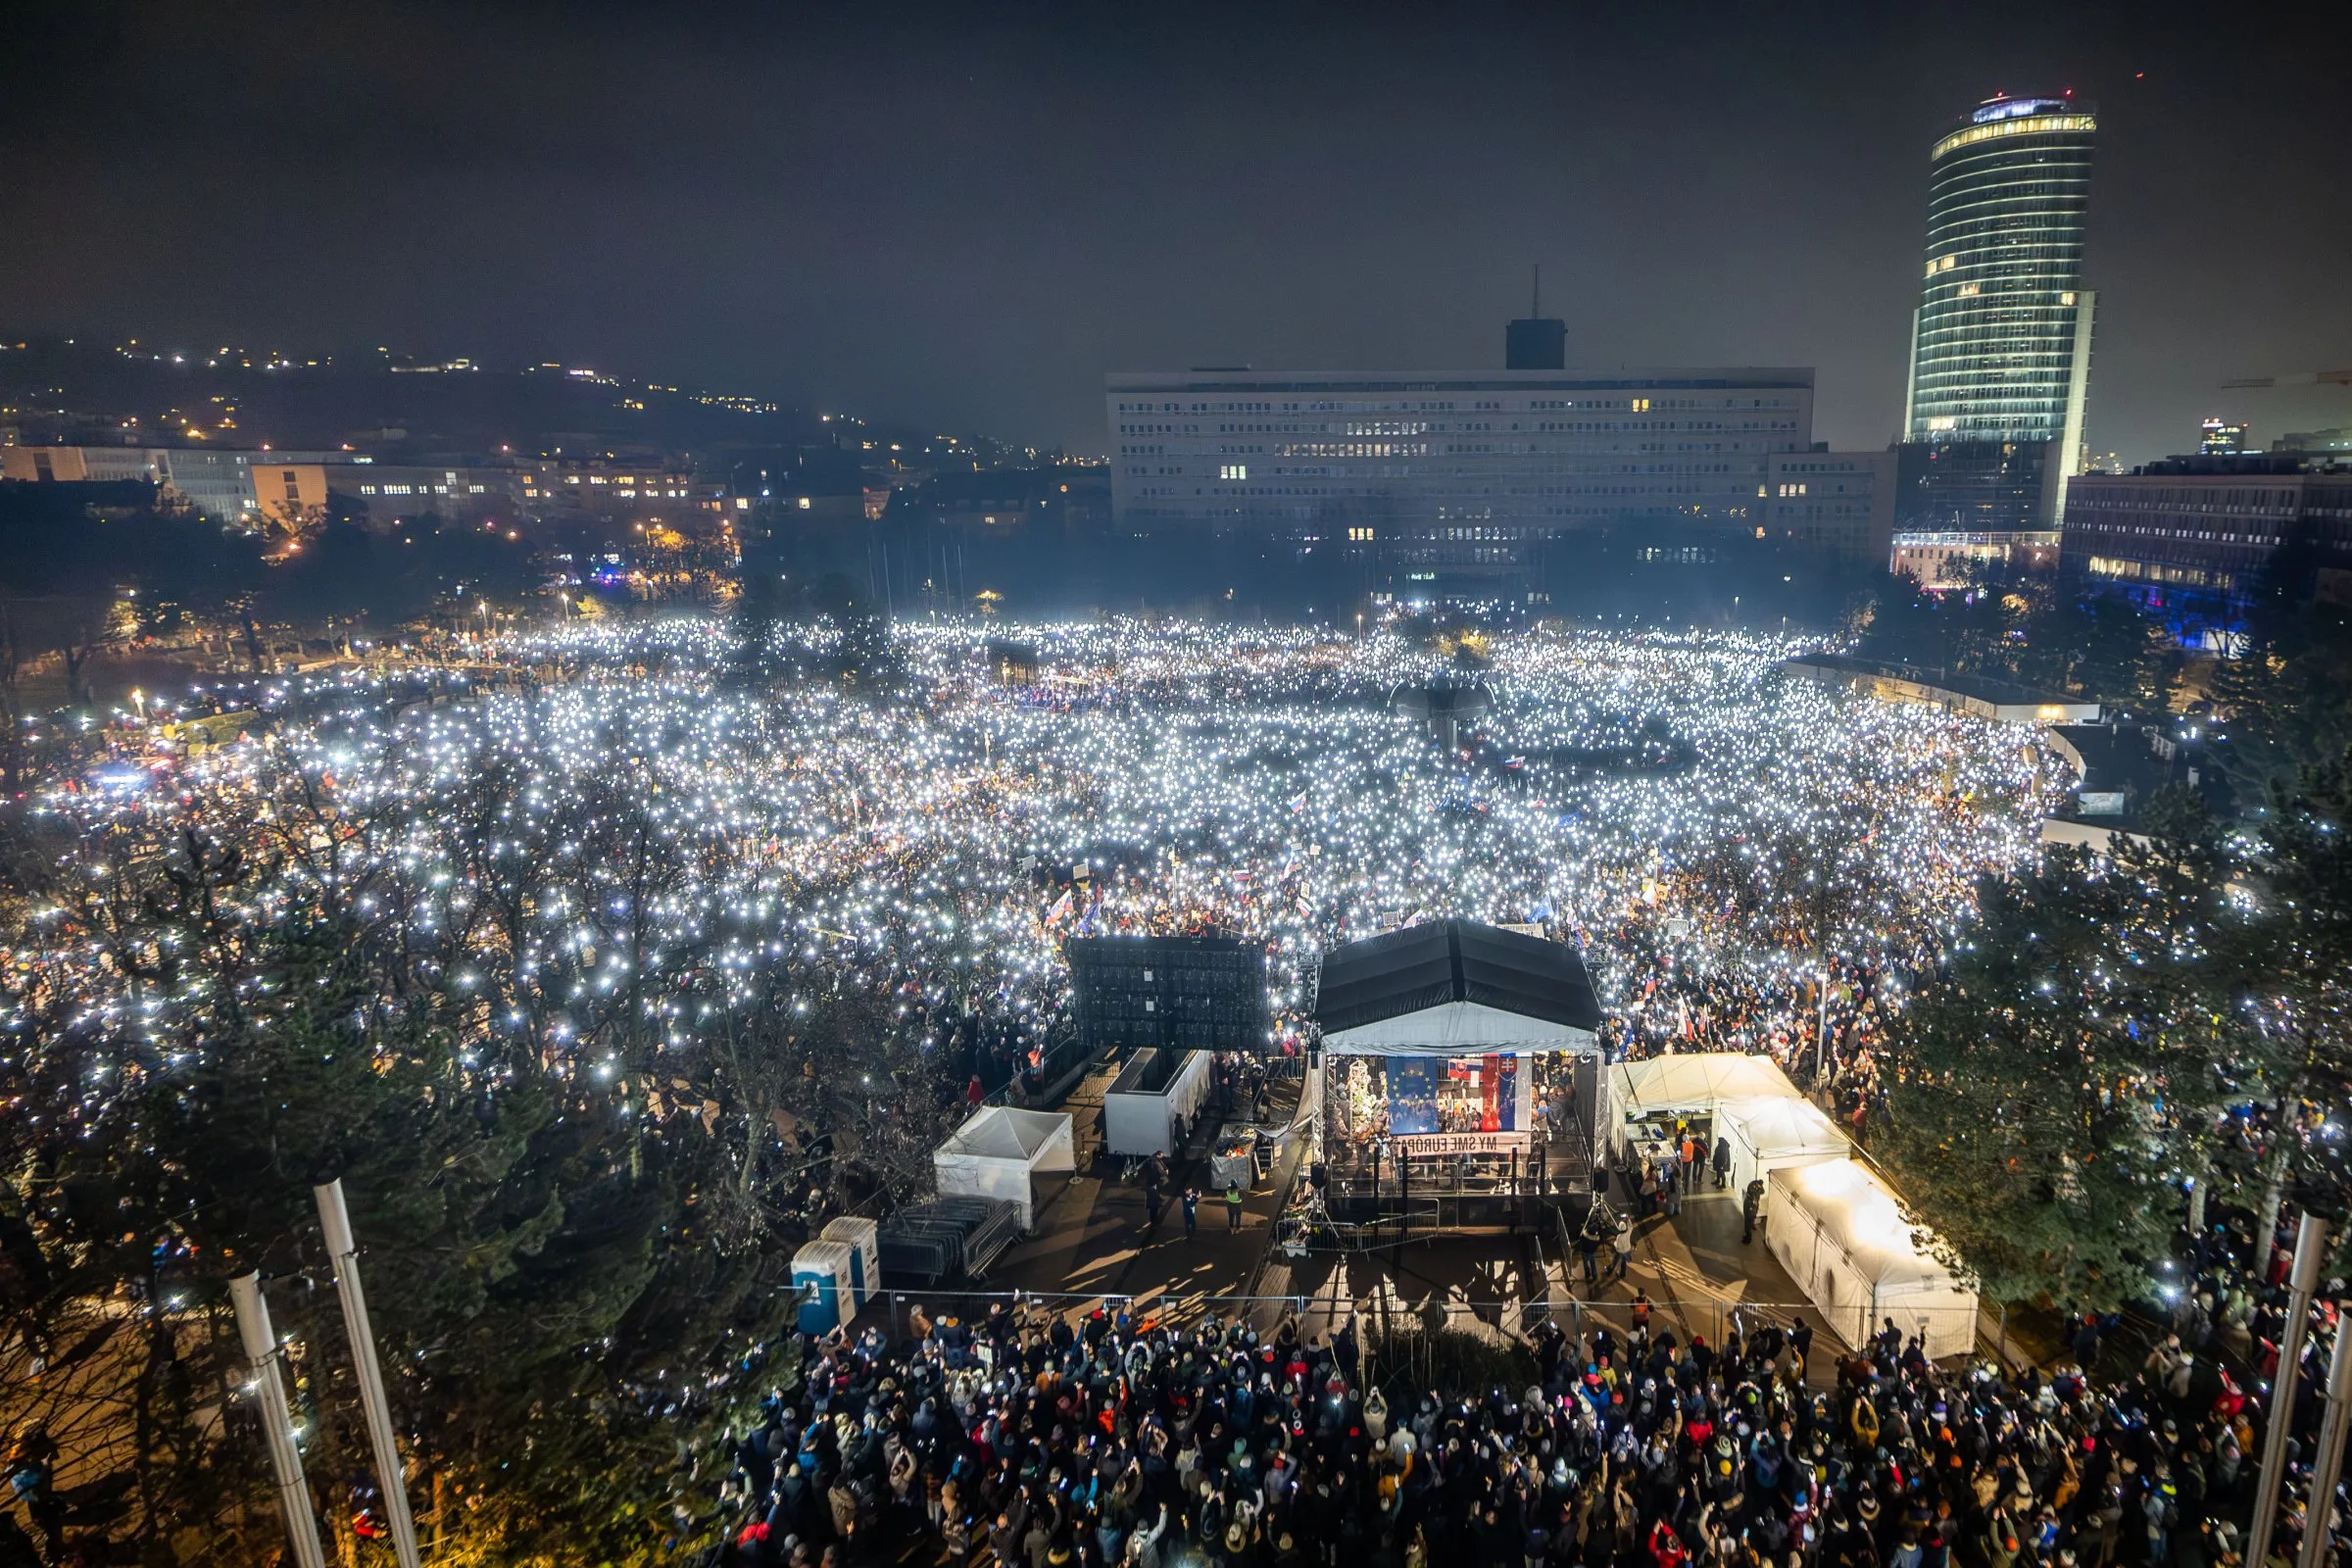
{"points": [[2000, 344], [292, 490], [252, 489], [2194, 536], [390, 492], [1449, 476]]}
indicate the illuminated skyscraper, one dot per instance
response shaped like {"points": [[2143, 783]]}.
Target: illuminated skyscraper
{"points": [[2000, 345]]}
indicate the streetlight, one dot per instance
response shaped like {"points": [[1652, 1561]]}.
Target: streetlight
{"points": [[140, 697]]}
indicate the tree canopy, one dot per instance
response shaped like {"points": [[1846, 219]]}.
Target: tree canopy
{"points": [[2118, 1027], [577, 1197]]}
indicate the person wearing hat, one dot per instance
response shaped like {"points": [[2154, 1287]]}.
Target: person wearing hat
{"points": [[1867, 1516], [1233, 1204]]}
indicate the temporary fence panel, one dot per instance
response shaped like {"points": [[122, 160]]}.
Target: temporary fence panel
{"points": [[926, 1242], [1770, 1133], [921, 1248], [988, 1225], [1838, 1231]]}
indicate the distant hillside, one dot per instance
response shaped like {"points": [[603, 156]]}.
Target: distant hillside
{"points": [[81, 392]]}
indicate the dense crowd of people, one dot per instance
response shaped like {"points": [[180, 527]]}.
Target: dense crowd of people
{"points": [[1156, 779], [637, 851], [1029, 1440]]}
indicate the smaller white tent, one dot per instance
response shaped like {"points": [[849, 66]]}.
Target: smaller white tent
{"points": [[999, 1151], [1838, 1230], [1768, 1132], [1690, 1084]]}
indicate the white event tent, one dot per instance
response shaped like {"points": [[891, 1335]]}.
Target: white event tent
{"points": [[1692, 1084], [1838, 1231], [999, 1151], [1768, 1132]]}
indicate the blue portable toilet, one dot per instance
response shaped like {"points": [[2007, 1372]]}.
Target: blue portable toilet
{"points": [[820, 1272]]}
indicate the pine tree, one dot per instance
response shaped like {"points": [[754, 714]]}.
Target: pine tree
{"points": [[2293, 955], [2057, 1086], [2285, 701]]}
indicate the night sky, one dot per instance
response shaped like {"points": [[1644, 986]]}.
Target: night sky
{"points": [[966, 216]]}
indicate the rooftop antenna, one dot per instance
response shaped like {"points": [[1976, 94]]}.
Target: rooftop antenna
{"points": [[1535, 305]]}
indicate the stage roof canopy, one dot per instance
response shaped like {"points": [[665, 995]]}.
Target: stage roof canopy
{"points": [[1457, 985]]}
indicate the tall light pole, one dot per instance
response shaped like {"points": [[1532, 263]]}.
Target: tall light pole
{"points": [[2311, 1254], [2328, 1462], [285, 1460], [391, 1479]]}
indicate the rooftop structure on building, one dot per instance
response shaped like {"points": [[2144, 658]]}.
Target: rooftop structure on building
{"points": [[1536, 341], [2219, 437]]}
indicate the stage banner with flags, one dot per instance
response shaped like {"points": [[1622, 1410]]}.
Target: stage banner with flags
{"points": [[1413, 1094]]}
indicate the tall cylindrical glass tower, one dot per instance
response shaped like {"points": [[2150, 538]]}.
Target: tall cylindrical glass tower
{"points": [[2000, 346]]}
